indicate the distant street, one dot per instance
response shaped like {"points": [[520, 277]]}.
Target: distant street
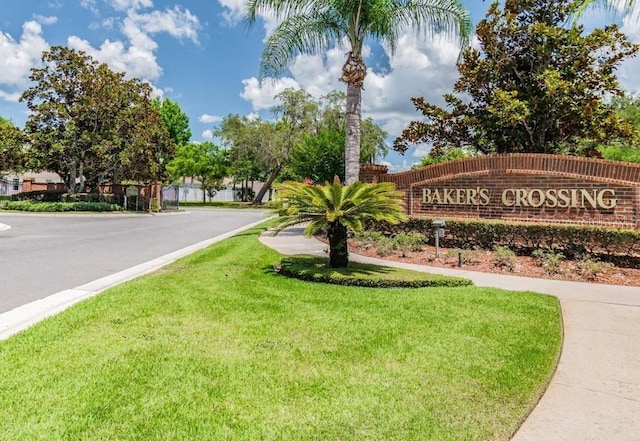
{"points": [[44, 254]]}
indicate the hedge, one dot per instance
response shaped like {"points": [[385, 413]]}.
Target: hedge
{"points": [[524, 238], [59, 206]]}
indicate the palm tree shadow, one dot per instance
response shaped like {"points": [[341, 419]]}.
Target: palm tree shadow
{"points": [[308, 266]]}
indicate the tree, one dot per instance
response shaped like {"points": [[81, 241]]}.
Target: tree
{"points": [[320, 156], [335, 208], [534, 85], [297, 114], [627, 108], [250, 143], [11, 142], [204, 161], [174, 119], [312, 26], [90, 125], [442, 155]]}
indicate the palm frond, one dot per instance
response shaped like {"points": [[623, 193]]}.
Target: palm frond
{"points": [[280, 9], [430, 17], [299, 34], [350, 205], [610, 7]]}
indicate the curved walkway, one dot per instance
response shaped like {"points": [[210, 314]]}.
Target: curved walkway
{"points": [[595, 392]]}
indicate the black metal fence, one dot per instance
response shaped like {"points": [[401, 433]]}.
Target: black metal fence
{"points": [[170, 197]]}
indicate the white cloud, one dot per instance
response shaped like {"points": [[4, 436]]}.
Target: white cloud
{"points": [[209, 119], [207, 134], [18, 57], [10, 96], [90, 5], [137, 57], [261, 94], [395, 167], [421, 150], [137, 61], [235, 10], [419, 68], [123, 5], [177, 22], [45, 20], [629, 71]]}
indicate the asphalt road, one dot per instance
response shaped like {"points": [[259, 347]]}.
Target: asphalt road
{"points": [[43, 254]]}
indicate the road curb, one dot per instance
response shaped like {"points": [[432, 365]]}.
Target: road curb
{"points": [[25, 316]]}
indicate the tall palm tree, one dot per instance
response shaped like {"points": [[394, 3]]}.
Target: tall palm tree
{"points": [[335, 208], [314, 26]]}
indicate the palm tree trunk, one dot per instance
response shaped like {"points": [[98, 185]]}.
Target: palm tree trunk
{"points": [[352, 147], [338, 252]]}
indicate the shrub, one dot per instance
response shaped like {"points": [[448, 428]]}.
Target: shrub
{"points": [[60, 206], [465, 257], [572, 241], [504, 258], [550, 261], [368, 238], [385, 246], [409, 242], [591, 268], [39, 195], [108, 198]]}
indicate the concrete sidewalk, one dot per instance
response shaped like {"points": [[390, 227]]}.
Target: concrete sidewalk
{"points": [[595, 392]]}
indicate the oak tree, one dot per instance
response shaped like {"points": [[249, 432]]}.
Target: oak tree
{"points": [[174, 119], [11, 143], [91, 125], [533, 84]]}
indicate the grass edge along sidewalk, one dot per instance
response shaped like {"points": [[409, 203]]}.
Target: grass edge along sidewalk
{"points": [[218, 346]]}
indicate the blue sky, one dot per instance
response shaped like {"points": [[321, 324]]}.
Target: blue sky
{"points": [[199, 54]]}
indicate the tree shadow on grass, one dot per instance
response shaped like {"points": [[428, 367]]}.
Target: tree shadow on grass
{"points": [[317, 269]]}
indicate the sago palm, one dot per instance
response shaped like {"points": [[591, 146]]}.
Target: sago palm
{"points": [[314, 26], [337, 209]]}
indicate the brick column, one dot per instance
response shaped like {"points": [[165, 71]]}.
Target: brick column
{"points": [[27, 184], [370, 172]]}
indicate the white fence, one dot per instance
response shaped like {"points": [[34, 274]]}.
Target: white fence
{"points": [[194, 194]]}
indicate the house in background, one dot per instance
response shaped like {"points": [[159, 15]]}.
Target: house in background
{"points": [[13, 183], [189, 190]]}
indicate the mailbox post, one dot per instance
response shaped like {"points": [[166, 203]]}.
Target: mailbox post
{"points": [[438, 229]]}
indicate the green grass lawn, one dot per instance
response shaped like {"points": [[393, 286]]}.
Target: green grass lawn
{"points": [[218, 347]]}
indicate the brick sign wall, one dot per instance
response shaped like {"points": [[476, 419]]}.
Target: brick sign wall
{"points": [[549, 188]]}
